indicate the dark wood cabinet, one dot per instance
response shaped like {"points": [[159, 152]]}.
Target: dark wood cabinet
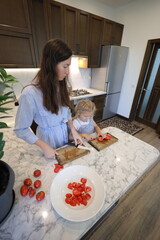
{"points": [[26, 25], [76, 30], [117, 33], [95, 40], [55, 19], [38, 20], [107, 32], [99, 102], [16, 50], [14, 16], [16, 42]]}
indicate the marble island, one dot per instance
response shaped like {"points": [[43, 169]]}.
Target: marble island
{"points": [[118, 166]]}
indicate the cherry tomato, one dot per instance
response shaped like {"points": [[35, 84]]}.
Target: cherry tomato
{"points": [[107, 137], [88, 189], [27, 182], [79, 194], [31, 191], [40, 196], [83, 180], [37, 183], [37, 173], [57, 167], [76, 192], [24, 190], [100, 138]]}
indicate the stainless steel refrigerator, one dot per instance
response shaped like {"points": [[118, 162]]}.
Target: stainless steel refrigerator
{"points": [[109, 76]]}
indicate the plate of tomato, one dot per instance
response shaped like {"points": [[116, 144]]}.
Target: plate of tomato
{"points": [[77, 193]]}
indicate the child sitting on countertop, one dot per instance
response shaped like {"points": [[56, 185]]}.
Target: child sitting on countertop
{"points": [[83, 119]]}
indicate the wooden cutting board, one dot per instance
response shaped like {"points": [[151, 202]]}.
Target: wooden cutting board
{"points": [[70, 153], [105, 143]]}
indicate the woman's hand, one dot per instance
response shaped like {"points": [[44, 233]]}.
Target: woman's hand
{"points": [[48, 151], [74, 134], [76, 137], [87, 136]]}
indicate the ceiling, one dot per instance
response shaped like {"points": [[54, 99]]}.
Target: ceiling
{"points": [[116, 3]]}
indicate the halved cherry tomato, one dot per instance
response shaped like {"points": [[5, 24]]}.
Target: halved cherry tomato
{"points": [[57, 167], [27, 182], [76, 192], [79, 193], [100, 138], [32, 191], [24, 190], [83, 180], [68, 195], [40, 196], [37, 183], [107, 137], [37, 173], [88, 189]]}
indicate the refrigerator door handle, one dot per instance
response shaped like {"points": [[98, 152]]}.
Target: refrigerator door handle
{"points": [[108, 87]]}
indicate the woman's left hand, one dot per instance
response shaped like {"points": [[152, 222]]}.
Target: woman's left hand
{"points": [[77, 138]]}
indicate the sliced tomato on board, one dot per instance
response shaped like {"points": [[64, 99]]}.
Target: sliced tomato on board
{"points": [[100, 138]]}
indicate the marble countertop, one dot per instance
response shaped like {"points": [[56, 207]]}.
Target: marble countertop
{"points": [[118, 166]]}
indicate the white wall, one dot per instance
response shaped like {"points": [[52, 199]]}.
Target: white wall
{"points": [[141, 23]]}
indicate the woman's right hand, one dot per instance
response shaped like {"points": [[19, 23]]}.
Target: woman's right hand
{"points": [[48, 151]]}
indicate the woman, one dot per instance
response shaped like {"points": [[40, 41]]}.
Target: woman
{"points": [[46, 101]]}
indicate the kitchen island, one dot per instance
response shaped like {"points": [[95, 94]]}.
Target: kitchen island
{"points": [[120, 165]]}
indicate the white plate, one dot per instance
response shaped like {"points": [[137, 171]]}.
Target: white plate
{"points": [[59, 189]]}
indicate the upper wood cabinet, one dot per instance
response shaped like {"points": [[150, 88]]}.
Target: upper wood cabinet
{"points": [[117, 33], [16, 42], [26, 25], [55, 19], [14, 16], [69, 24], [76, 30], [107, 32], [95, 40], [39, 25]]}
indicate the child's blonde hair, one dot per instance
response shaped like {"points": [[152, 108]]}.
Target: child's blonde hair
{"points": [[85, 105]]}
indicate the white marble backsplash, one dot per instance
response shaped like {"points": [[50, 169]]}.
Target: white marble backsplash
{"points": [[79, 77]]}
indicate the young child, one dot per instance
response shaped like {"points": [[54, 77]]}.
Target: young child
{"points": [[83, 120]]}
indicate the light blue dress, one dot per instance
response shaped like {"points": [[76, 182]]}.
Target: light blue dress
{"points": [[52, 128]]}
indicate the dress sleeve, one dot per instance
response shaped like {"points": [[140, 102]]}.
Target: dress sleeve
{"points": [[24, 119]]}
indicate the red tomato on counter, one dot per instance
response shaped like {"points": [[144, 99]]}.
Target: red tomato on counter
{"points": [[31, 191], [37, 173], [57, 167], [40, 196], [24, 190], [27, 182], [37, 184]]}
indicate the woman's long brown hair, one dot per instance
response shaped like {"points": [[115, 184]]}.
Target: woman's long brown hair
{"points": [[55, 92]]}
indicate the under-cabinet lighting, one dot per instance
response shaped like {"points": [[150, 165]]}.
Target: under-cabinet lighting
{"points": [[83, 62]]}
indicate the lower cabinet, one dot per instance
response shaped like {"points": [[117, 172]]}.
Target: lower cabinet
{"points": [[99, 102]]}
